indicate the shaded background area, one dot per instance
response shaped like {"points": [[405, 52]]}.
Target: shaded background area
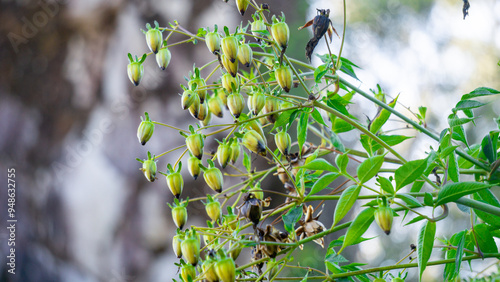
{"points": [[69, 116]]}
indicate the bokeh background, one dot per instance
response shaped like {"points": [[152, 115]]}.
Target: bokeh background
{"points": [[69, 115]]}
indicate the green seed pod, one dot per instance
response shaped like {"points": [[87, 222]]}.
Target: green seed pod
{"points": [[207, 119], [174, 181], [149, 167], [235, 249], [224, 154], [193, 166], [145, 130], [383, 217], [212, 208], [283, 142], [283, 75], [198, 85], [135, 71], [257, 192], [256, 102], [257, 25], [242, 5], [202, 112], [195, 144], [188, 98], [208, 267], [215, 106], [163, 58], [176, 244], [226, 270], [213, 178], [222, 95], [281, 34], [255, 125], [194, 109], [212, 39], [188, 272], [245, 54], [227, 82], [252, 209], [254, 142], [235, 151], [231, 67], [179, 215], [229, 46], [191, 248], [236, 104], [272, 105], [154, 38]]}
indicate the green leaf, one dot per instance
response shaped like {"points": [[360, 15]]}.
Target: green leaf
{"points": [[335, 258], [291, 217], [341, 161], [317, 117], [425, 243], [369, 168], [324, 181], [454, 120], [481, 91], [489, 146], [486, 196], [302, 129], [334, 138], [358, 227], [416, 219], [247, 162], [382, 117], [460, 253], [428, 199], [338, 106], [458, 133], [485, 239], [454, 191], [386, 185], [453, 168], [320, 71], [409, 199], [409, 172], [467, 105], [320, 164], [345, 203], [284, 119]]}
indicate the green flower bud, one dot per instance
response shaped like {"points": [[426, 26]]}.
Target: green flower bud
{"points": [[207, 119], [235, 249], [256, 102], [174, 181], [163, 58], [202, 112], [235, 151], [255, 125], [272, 105], [245, 54], [227, 82], [195, 144], [179, 212], [212, 39], [383, 217], [198, 85], [154, 38], [257, 25], [226, 270], [195, 106], [188, 98], [149, 167], [254, 142], [283, 142], [222, 95], [283, 75], [188, 272], [212, 208], [208, 267], [191, 247], [215, 106], [229, 66], [135, 71], [213, 177], [224, 154], [229, 46], [145, 130], [242, 5], [193, 166], [281, 34], [236, 104], [176, 244]]}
